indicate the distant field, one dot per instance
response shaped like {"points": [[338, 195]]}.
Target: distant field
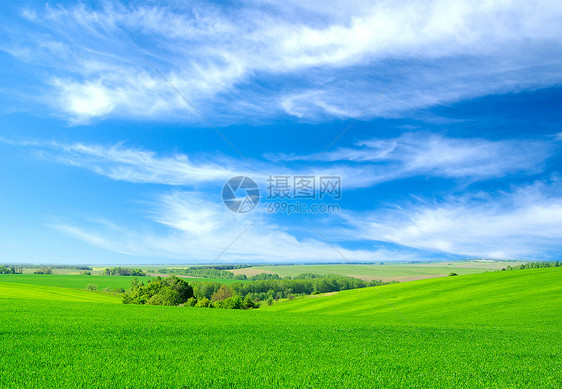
{"points": [[220, 281], [80, 281], [71, 281], [31, 270], [15, 291], [399, 272], [499, 329], [194, 279]]}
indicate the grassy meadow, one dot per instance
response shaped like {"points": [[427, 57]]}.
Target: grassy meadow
{"points": [[497, 329], [386, 272], [82, 281], [528, 299]]}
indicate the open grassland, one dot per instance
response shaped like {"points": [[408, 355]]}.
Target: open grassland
{"points": [[504, 332], [398, 272], [81, 281], [521, 298], [16, 292], [71, 281]]}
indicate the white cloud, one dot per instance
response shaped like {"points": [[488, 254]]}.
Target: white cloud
{"points": [[526, 223], [372, 162], [339, 57], [439, 156], [139, 166], [200, 229]]}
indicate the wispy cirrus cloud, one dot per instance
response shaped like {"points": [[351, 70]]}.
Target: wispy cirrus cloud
{"points": [[523, 223], [436, 155], [121, 163], [200, 229], [332, 60], [141, 166], [372, 162]]}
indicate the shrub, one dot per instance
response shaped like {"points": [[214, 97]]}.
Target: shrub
{"points": [[92, 287], [159, 291], [234, 302], [165, 296], [44, 270], [249, 303], [453, 274], [203, 303]]}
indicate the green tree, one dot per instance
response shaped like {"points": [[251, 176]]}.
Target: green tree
{"points": [[222, 294], [165, 296], [159, 291], [203, 303], [249, 303]]}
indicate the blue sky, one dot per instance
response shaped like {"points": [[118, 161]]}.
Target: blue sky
{"points": [[452, 146]]}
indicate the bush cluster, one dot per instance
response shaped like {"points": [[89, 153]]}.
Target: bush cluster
{"points": [[11, 270], [43, 270], [123, 271], [159, 291]]}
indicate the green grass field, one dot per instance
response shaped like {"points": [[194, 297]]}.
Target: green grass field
{"points": [[399, 272], [81, 281], [498, 329], [15, 292], [70, 281], [531, 298]]}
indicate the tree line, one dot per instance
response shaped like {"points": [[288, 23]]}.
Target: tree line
{"points": [[11, 270], [44, 270], [285, 288], [18, 269], [204, 272], [123, 271], [219, 272], [173, 290], [535, 265]]}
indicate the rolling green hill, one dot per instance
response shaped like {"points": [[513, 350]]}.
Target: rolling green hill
{"points": [[487, 330], [15, 292], [528, 298], [81, 281]]}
